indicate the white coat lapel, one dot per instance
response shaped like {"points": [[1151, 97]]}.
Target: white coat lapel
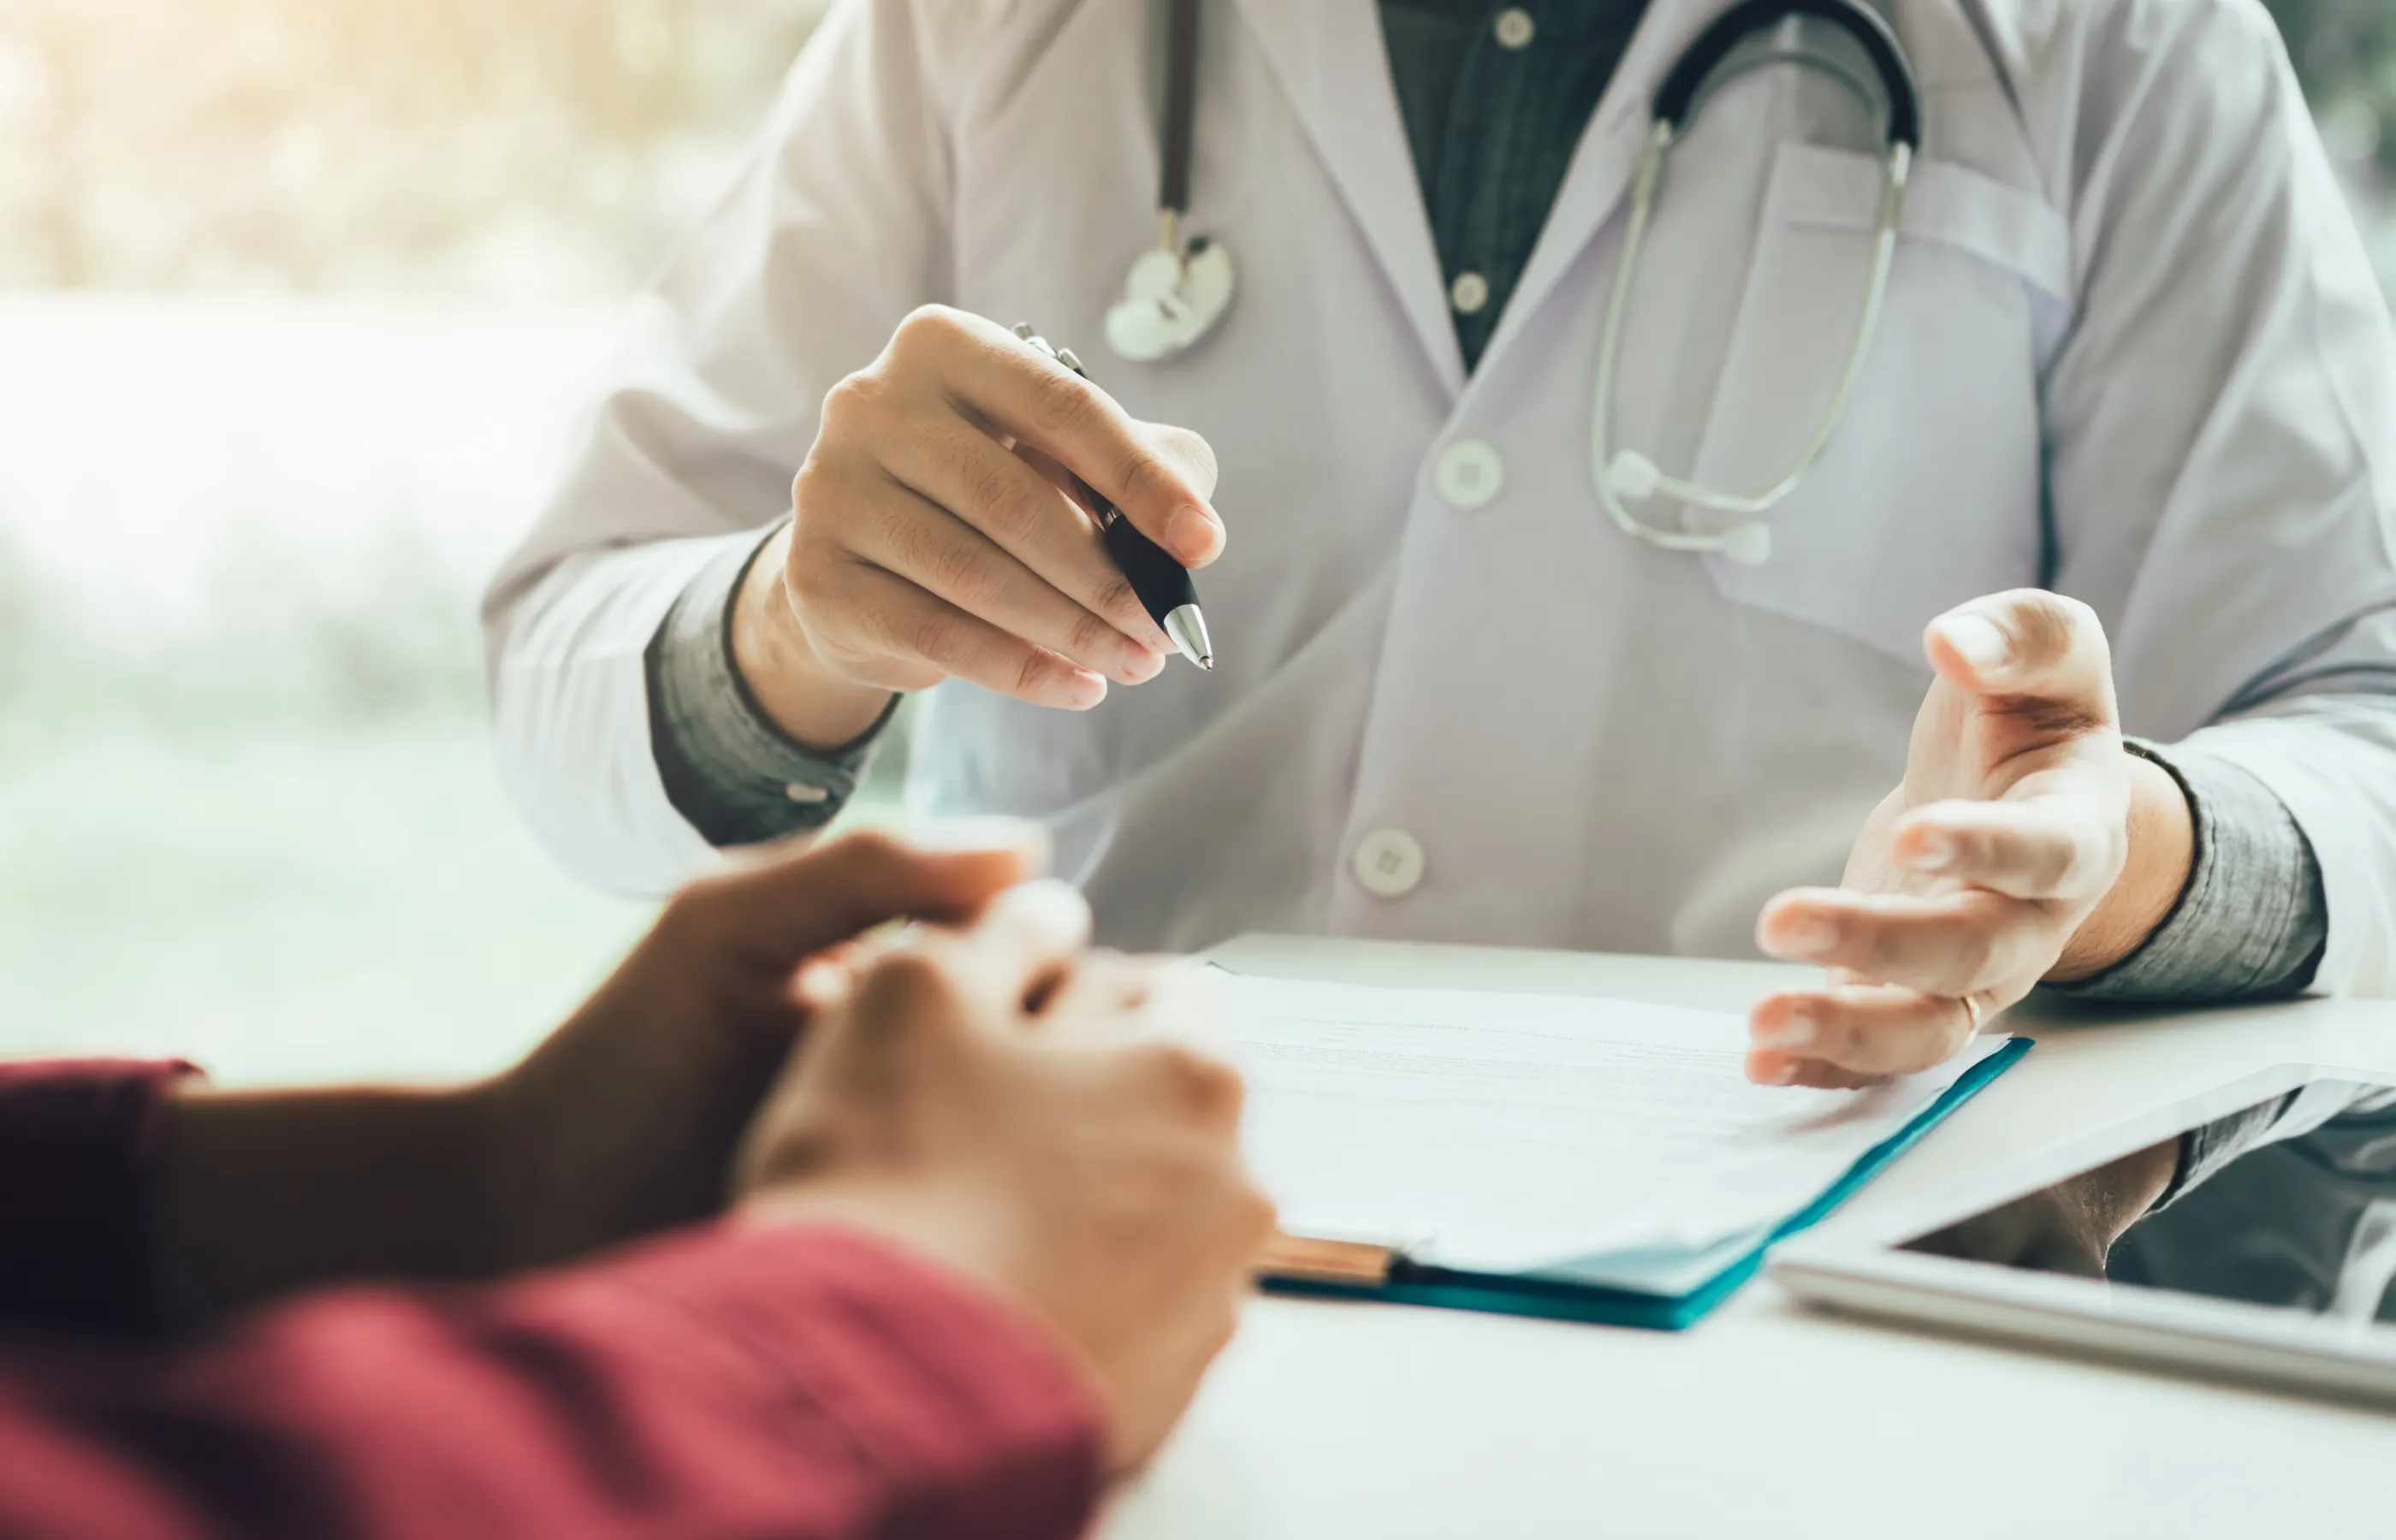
{"points": [[1331, 62], [1609, 152]]}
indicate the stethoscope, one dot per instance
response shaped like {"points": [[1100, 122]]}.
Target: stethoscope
{"points": [[1180, 291]]}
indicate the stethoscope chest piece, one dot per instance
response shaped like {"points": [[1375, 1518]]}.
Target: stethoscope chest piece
{"points": [[1172, 297], [1179, 289]]}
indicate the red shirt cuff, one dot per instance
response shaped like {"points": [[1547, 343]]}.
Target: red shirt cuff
{"points": [[79, 1147]]}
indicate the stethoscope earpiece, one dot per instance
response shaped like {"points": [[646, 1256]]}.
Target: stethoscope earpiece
{"points": [[1749, 545], [1632, 478]]}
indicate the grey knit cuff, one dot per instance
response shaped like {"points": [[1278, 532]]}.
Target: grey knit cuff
{"points": [[2254, 918], [737, 777]]}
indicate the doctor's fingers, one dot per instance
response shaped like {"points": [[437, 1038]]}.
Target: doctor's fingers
{"points": [[1943, 944], [1007, 496], [2060, 848], [1184, 448], [2045, 652], [911, 537], [1854, 1034], [885, 631], [1010, 385]]}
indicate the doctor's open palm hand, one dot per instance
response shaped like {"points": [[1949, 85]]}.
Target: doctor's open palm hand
{"points": [[931, 535], [2025, 843]]}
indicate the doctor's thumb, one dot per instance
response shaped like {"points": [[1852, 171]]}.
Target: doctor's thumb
{"points": [[1194, 534], [2026, 642], [1188, 453]]}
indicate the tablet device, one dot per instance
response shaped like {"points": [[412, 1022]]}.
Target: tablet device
{"points": [[2249, 1233]]}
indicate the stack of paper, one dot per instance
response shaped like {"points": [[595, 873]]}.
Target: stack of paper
{"points": [[1583, 1142]]}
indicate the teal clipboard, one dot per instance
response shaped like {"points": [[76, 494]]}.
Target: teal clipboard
{"points": [[1556, 1299]]}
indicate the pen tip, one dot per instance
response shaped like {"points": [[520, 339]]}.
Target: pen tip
{"points": [[1187, 627]]}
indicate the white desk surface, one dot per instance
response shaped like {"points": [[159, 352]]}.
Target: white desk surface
{"points": [[1330, 1420]]}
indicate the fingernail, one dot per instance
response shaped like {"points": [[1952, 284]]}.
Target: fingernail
{"points": [[1807, 938], [1936, 853], [821, 984], [1085, 690], [1786, 1075], [1978, 642], [1794, 1030], [1192, 534], [1140, 666]]}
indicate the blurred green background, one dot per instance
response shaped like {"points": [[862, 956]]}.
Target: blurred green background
{"points": [[300, 300]]}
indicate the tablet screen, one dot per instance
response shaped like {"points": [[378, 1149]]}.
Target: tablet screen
{"points": [[2288, 1202]]}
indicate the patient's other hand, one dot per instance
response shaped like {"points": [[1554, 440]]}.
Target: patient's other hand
{"points": [[1038, 1121]]}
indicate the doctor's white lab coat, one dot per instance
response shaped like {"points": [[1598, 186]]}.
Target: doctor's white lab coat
{"points": [[2134, 352]]}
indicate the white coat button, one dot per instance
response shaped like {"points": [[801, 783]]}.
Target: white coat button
{"points": [[1515, 28], [1389, 863], [1469, 292], [1468, 475]]}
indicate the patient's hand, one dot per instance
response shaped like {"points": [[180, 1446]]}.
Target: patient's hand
{"points": [[1038, 1121], [625, 1122], [2024, 844]]}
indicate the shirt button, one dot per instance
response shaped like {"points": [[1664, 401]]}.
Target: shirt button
{"points": [[1469, 292], [1515, 28], [1468, 475], [1389, 863]]}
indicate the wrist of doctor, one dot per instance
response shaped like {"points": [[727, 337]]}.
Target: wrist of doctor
{"points": [[2162, 855], [804, 696]]}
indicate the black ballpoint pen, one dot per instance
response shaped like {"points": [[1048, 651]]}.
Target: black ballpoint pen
{"points": [[1161, 583]]}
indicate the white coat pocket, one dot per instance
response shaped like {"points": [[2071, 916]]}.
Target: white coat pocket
{"points": [[1930, 494]]}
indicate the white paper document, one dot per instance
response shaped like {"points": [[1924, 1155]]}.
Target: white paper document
{"points": [[1503, 1132]]}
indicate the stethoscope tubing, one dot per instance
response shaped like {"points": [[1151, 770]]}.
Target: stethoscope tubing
{"points": [[1676, 96], [1626, 476], [1622, 477]]}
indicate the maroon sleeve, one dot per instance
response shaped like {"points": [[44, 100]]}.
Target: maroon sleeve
{"points": [[799, 1384], [78, 1152]]}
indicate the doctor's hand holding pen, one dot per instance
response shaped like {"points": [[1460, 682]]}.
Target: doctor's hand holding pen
{"points": [[2025, 844], [932, 536]]}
